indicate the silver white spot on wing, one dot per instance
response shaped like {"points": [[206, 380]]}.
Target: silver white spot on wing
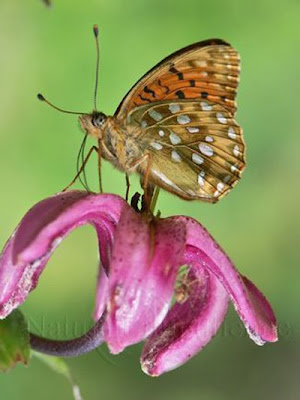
{"points": [[183, 119], [174, 139], [175, 156], [231, 133], [197, 159], [206, 149], [220, 186], [233, 168], [201, 175], [192, 129], [236, 150], [221, 118], [205, 106], [174, 108], [161, 133], [166, 180], [156, 146], [144, 124], [209, 139], [200, 180], [155, 115]]}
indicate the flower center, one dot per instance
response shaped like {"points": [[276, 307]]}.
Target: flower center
{"points": [[184, 285]]}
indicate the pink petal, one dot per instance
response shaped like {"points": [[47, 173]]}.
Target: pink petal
{"points": [[142, 276], [106, 238], [251, 305], [189, 326], [40, 232], [101, 294], [10, 276]]}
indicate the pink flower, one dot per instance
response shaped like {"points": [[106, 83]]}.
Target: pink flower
{"points": [[140, 260]]}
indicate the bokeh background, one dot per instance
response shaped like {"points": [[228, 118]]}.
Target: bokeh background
{"points": [[52, 51]]}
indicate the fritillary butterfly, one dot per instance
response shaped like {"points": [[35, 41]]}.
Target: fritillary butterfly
{"points": [[176, 125]]}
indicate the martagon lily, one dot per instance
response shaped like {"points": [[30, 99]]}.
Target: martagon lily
{"points": [[140, 260]]}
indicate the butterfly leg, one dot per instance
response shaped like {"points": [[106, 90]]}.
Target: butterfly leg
{"points": [[146, 158], [148, 188], [127, 186], [94, 148], [99, 166]]}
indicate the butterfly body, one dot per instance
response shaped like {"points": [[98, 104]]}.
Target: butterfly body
{"points": [[117, 142], [177, 124]]}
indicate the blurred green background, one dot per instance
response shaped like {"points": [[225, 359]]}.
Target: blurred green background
{"points": [[52, 51]]}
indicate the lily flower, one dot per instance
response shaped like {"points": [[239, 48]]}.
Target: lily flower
{"points": [[140, 258]]}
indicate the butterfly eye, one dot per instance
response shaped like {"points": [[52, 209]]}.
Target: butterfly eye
{"points": [[98, 120]]}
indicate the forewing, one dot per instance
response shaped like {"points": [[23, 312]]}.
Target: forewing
{"points": [[196, 147], [206, 70]]}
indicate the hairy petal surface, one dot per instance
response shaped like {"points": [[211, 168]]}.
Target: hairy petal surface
{"points": [[188, 326], [146, 256], [251, 305], [39, 233]]}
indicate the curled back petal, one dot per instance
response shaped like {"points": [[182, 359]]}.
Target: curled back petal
{"points": [[188, 326], [101, 294], [40, 232], [105, 234], [142, 275], [252, 307]]}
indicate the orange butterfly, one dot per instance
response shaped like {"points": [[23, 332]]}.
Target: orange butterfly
{"points": [[176, 125]]}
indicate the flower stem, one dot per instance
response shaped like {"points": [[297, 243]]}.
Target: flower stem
{"points": [[70, 348]]}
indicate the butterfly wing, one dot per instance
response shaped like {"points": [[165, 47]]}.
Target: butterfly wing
{"points": [[207, 70], [196, 147], [184, 109]]}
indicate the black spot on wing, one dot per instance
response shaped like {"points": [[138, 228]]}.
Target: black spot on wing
{"points": [[144, 98], [147, 90], [175, 71], [180, 94], [163, 86]]}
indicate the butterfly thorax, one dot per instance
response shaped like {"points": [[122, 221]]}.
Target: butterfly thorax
{"points": [[117, 141]]}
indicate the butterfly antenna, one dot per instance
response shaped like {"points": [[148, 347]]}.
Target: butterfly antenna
{"points": [[96, 34], [47, 3], [42, 98]]}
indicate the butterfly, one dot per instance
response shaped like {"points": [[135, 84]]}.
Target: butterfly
{"points": [[176, 126]]}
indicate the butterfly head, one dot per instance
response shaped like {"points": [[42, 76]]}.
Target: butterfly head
{"points": [[93, 124]]}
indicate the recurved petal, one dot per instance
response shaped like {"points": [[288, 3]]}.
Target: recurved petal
{"points": [[105, 233], [101, 294], [40, 232], [251, 305], [189, 325], [146, 256]]}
